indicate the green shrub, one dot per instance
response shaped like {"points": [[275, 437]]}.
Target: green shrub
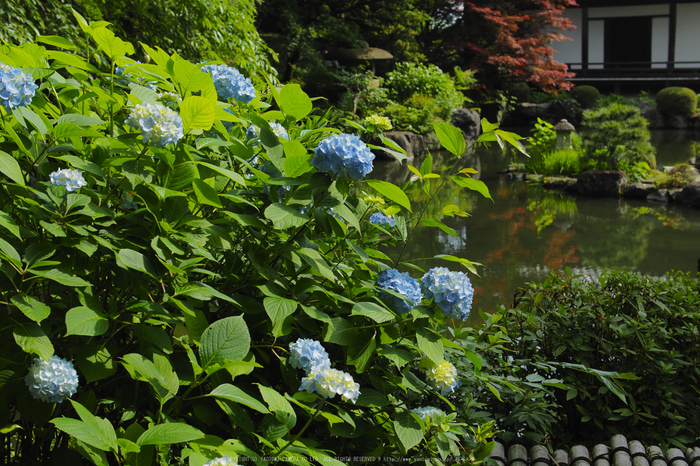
{"points": [[520, 90], [618, 133], [677, 101], [586, 96], [644, 329], [677, 177], [560, 162]]}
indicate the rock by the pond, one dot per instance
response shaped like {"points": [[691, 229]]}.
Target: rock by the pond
{"points": [[651, 113], [602, 183], [563, 183], [660, 195], [690, 195], [412, 143], [468, 120], [676, 122], [638, 190]]}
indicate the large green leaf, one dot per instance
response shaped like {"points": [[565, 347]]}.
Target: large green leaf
{"points": [[361, 350], [293, 101], [339, 331], [451, 138], [135, 260], [61, 277], [283, 216], [317, 262], [374, 311], [32, 339], [392, 192], [10, 168], [232, 393], [474, 185], [170, 433], [82, 320], [408, 430], [430, 344], [191, 79], [113, 46], [206, 194], [278, 309], [157, 373], [227, 339], [31, 307], [431, 222], [197, 113], [92, 430], [278, 405]]}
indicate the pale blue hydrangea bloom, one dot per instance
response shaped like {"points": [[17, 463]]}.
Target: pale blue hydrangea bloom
{"points": [[379, 218], [343, 153], [452, 291], [223, 461], [309, 355], [158, 124], [330, 382], [392, 279], [430, 415], [71, 179], [16, 87], [230, 83], [444, 376], [52, 381], [252, 135]]}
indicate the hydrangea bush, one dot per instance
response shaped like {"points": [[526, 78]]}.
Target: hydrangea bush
{"points": [[200, 316]]}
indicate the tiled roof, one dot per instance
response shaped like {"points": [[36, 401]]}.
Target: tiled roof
{"points": [[618, 453]]}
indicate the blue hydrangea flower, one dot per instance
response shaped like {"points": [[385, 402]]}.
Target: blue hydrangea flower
{"points": [[52, 381], [379, 218], [223, 461], [392, 279], [308, 355], [430, 415], [230, 83], [444, 377], [343, 153], [16, 87], [158, 124], [252, 135], [330, 382], [452, 291], [71, 179]]}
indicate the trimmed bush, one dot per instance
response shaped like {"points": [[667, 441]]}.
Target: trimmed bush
{"points": [[621, 135], [586, 96], [519, 90], [677, 101]]}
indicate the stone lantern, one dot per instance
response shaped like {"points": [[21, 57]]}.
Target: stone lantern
{"points": [[564, 131]]}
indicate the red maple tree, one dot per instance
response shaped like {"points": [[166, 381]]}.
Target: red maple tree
{"points": [[506, 40]]}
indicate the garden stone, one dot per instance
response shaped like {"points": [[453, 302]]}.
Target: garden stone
{"points": [[690, 195], [565, 109], [468, 121], [412, 143], [603, 183], [651, 113], [660, 195], [527, 113], [675, 194], [676, 122], [638, 190], [563, 183]]}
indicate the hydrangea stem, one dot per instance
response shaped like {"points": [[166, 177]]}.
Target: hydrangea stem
{"points": [[303, 429]]}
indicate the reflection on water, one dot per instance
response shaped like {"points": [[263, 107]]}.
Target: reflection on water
{"points": [[527, 231]]}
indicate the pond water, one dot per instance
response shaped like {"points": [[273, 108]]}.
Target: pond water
{"points": [[527, 232]]}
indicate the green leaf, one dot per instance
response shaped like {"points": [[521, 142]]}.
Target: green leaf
{"points": [[297, 164], [474, 185], [278, 309], [197, 113], [33, 118], [232, 393], [279, 406], [9, 224], [32, 339], [31, 307], [398, 356], [157, 373], [92, 430], [339, 331], [60, 277], [85, 321], [80, 120], [283, 216], [317, 262], [431, 222], [226, 339], [206, 194], [408, 430], [392, 192], [430, 344], [10, 168], [293, 101], [361, 351], [113, 46], [231, 175], [57, 41], [451, 138], [170, 433], [96, 361], [135, 260], [190, 79], [374, 311], [488, 127], [513, 139]]}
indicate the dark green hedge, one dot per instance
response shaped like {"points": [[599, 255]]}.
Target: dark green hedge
{"points": [[677, 101]]}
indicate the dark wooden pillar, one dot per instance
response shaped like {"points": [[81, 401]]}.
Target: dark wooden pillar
{"points": [[672, 34]]}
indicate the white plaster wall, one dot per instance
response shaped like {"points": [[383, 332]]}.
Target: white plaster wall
{"points": [[688, 34], [596, 43], [624, 11], [659, 41], [570, 50]]}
